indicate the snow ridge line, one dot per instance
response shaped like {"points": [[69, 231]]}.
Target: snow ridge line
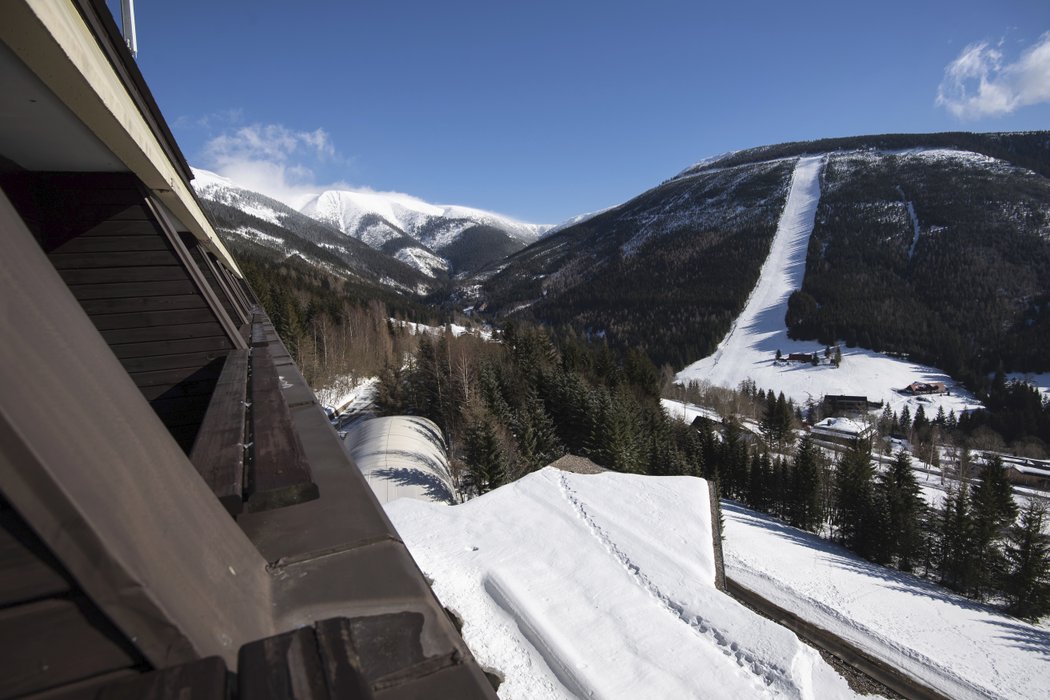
{"points": [[770, 675], [905, 654], [548, 648]]}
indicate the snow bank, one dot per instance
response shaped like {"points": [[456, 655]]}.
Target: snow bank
{"points": [[749, 349], [603, 586], [961, 648]]}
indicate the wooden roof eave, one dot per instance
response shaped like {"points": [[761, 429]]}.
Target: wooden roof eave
{"points": [[64, 50]]}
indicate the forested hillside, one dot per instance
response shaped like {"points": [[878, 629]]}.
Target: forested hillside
{"points": [[334, 326], [942, 255], [934, 246], [666, 272]]}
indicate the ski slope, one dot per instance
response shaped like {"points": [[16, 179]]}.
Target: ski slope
{"points": [[602, 586], [952, 644], [749, 349]]}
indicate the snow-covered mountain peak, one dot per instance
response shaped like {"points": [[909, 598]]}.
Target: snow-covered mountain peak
{"points": [[350, 210], [436, 239]]}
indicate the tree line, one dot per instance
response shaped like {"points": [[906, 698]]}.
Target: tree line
{"points": [[512, 406]]}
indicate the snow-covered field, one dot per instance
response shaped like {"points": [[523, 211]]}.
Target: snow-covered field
{"points": [[962, 648], [484, 333], [602, 586], [749, 349]]}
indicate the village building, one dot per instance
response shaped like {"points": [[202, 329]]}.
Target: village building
{"points": [[1023, 471], [841, 404], [800, 357], [921, 388], [843, 431]]}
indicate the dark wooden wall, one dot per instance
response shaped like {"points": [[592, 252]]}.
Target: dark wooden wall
{"points": [[51, 634], [123, 268]]}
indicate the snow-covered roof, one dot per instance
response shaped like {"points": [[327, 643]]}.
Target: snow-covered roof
{"points": [[841, 425], [603, 585], [402, 457]]}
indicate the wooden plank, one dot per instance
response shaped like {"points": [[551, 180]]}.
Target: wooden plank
{"points": [[27, 570], [218, 453], [150, 288], [184, 361], [119, 227], [182, 331], [124, 274], [259, 337], [284, 667], [190, 386], [132, 304], [50, 643], [200, 258], [80, 261], [279, 473], [93, 211], [173, 407], [114, 244], [146, 319], [204, 679], [83, 690], [169, 378], [342, 665], [170, 347], [389, 642]]}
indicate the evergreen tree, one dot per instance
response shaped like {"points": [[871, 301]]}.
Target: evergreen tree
{"points": [[391, 398], [955, 555], [485, 456], [760, 479], [886, 421], [920, 422], [855, 507], [769, 424], [941, 418], [905, 506], [534, 430], [1027, 581], [994, 510], [733, 460], [803, 503], [616, 441]]}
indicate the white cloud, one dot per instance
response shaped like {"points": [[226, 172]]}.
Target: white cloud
{"points": [[280, 162], [273, 159], [979, 84]]}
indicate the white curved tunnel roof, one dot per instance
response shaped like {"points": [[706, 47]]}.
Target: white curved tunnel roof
{"points": [[402, 457]]}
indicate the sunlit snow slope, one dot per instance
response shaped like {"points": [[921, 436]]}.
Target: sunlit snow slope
{"points": [[748, 350], [602, 586], [957, 646]]}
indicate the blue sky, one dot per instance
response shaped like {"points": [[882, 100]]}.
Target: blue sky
{"points": [[543, 110]]}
